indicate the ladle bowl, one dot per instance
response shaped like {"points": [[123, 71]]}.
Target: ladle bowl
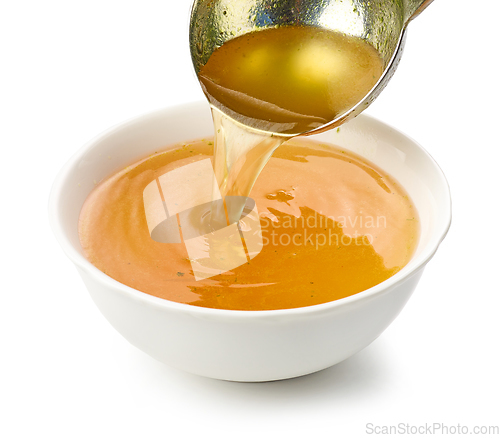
{"points": [[382, 23]]}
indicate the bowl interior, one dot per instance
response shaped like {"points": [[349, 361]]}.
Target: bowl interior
{"points": [[120, 146], [414, 169]]}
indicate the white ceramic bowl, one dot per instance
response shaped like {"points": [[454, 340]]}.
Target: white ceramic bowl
{"points": [[248, 345]]}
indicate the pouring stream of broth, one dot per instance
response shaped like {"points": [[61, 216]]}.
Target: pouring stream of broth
{"points": [[268, 86]]}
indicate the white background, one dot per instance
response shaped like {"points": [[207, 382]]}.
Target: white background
{"points": [[70, 70]]}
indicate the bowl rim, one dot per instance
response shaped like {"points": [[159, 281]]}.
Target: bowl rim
{"points": [[82, 263]]}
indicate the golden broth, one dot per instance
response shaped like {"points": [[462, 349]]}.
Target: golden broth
{"points": [[332, 224], [290, 79]]}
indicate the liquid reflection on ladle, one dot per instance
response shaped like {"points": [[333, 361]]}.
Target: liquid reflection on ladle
{"points": [[290, 80]]}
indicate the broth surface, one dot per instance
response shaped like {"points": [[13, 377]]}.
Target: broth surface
{"points": [[332, 225]]}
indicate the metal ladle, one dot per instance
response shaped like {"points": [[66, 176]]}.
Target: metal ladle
{"points": [[382, 23]]}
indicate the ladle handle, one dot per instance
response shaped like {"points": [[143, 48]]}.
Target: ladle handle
{"points": [[415, 7]]}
